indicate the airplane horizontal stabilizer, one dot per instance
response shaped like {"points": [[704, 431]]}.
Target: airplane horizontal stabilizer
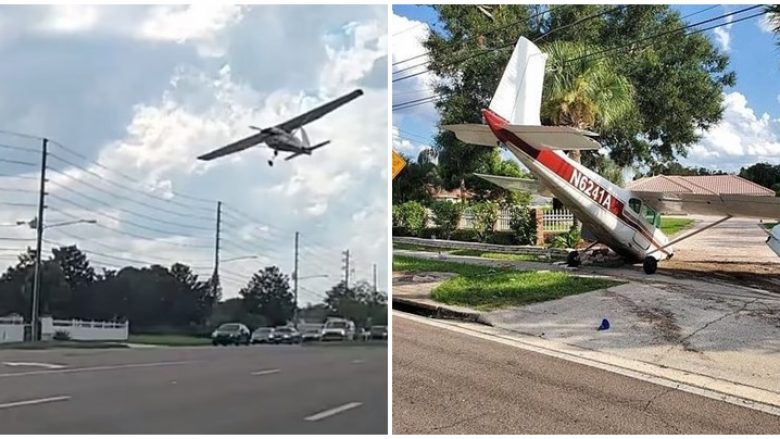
{"points": [[538, 137]]}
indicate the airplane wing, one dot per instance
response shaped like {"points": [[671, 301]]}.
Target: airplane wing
{"points": [[736, 205], [312, 115], [538, 136], [236, 146], [517, 184]]}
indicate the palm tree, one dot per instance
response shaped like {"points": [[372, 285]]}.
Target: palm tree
{"points": [[773, 15], [583, 91]]}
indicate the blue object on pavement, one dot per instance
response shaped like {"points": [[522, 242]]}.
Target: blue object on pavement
{"points": [[604, 325]]}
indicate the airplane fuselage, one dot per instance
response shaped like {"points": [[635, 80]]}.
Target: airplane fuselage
{"points": [[610, 212], [281, 140]]}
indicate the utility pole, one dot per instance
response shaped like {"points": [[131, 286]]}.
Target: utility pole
{"points": [[346, 267], [374, 278], [34, 333], [215, 277], [295, 283]]}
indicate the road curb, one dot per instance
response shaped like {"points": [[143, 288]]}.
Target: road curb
{"points": [[437, 311]]}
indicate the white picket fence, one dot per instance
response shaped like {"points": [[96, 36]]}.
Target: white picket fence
{"points": [[555, 221], [84, 330], [11, 329]]}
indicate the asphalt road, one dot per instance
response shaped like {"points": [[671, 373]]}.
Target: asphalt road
{"points": [[451, 383], [205, 390]]}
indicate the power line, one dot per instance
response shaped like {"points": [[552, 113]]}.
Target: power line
{"points": [[490, 31], [18, 148], [511, 44], [125, 233], [126, 176], [18, 162], [125, 187], [115, 207], [435, 98]]}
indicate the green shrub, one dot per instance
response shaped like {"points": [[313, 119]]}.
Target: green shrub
{"points": [[412, 217], [523, 225], [568, 240], [446, 217], [485, 216]]}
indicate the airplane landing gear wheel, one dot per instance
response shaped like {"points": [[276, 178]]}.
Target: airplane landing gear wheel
{"points": [[271, 163], [573, 259], [650, 265], [276, 152]]}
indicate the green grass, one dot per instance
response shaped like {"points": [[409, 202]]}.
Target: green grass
{"points": [[168, 340], [672, 226], [487, 288], [515, 257], [768, 226]]}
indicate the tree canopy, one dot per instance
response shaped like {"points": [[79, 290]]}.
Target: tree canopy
{"points": [[675, 82]]}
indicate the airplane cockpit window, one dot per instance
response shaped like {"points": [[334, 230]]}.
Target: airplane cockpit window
{"points": [[650, 215], [635, 204]]}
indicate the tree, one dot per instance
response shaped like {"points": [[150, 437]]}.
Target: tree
{"points": [[268, 294], [417, 178], [773, 16], [677, 80], [446, 216], [358, 303], [79, 276], [485, 216]]}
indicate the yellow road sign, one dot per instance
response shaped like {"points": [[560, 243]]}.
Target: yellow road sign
{"points": [[398, 163]]}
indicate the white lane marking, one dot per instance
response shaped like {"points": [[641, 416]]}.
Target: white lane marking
{"points": [[685, 381], [333, 411], [94, 369], [266, 372], [9, 405], [358, 361], [44, 365]]}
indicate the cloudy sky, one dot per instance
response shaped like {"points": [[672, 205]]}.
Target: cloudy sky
{"points": [[748, 133], [132, 94]]}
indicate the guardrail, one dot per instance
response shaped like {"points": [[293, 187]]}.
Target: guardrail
{"points": [[464, 245]]}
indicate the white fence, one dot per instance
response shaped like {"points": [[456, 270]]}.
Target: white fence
{"points": [[11, 329], [84, 330], [555, 221]]}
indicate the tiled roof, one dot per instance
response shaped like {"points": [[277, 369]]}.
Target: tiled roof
{"points": [[705, 184]]}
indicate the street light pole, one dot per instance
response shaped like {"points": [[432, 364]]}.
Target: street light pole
{"points": [[39, 240]]}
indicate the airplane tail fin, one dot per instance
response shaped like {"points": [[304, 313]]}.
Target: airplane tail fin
{"points": [[305, 138], [518, 98], [308, 150]]}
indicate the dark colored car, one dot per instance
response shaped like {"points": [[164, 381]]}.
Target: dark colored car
{"points": [[231, 333], [287, 335], [379, 332]]}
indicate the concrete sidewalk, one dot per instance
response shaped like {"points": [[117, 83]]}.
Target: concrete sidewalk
{"points": [[705, 333]]}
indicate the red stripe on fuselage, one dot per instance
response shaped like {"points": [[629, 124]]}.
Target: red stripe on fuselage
{"points": [[554, 162]]}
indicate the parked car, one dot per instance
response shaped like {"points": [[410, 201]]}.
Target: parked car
{"points": [[287, 335], [311, 333], [338, 329], [231, 333], [379, 332], [263, 335]]}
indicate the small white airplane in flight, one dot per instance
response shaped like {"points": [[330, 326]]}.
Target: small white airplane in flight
{"points": [[625, 220], [282, 137]]}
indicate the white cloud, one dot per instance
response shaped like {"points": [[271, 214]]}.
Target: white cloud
{"points": [[336, 198], [723, 34], [407, 48], [741, 138], [71, 18], [200, 23], [407, 146]]}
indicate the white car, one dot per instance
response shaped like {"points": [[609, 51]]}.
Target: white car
{"points": [[338, 329]]}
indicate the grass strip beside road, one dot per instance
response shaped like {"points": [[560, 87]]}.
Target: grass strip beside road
{"points": [[671, 226], [168, 340], [489, 288]]}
